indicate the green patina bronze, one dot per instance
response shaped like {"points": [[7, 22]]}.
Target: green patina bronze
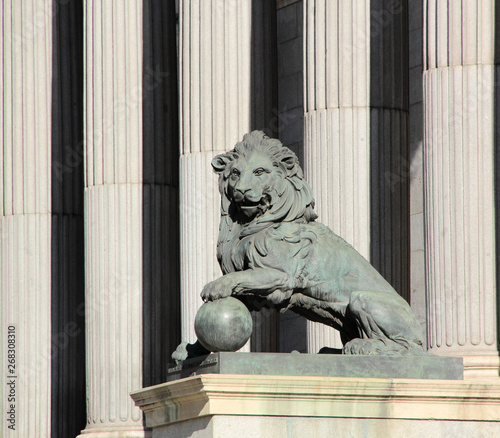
{"points": [[326, 365], [223, 325], [272, 252]]}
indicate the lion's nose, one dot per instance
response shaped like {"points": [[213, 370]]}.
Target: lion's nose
{"points": [[242, 190]]}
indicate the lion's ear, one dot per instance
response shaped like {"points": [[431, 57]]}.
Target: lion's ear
{"points": [[220, 162], [289, 161]]}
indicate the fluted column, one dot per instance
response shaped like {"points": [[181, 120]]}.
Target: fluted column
{"points": [[113, 215], [41, 226], [459, 166], [26, 217], [355, 86], [130, 207], [226, 77]]}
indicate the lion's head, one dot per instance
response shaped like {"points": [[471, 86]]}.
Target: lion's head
{"points": [[261, 183]]}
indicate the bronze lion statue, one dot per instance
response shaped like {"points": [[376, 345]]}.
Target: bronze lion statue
{"points": [[271, 249]]}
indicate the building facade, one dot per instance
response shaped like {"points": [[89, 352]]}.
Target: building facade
{"points": [[111, 114]]}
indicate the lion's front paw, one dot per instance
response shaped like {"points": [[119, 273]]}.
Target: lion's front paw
{"points": [[216, 290], [180, 354], [360, 346], [185, 350]]}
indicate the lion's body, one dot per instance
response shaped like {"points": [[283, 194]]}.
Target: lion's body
{"points": [[270, 247]]}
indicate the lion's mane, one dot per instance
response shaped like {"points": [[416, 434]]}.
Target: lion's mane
{"points": [[291, 200]]}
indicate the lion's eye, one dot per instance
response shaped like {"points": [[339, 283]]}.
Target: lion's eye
{"points": [[235, 172], [259, 171]]}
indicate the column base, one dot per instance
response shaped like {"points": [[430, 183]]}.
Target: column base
{"points": [[477, 365], [482, 367], [114, 432]]}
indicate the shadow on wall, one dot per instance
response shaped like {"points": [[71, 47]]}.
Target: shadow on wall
{"points": [[160, 233], [389, 143], [289, 119], [67, 360], [264, 100]]}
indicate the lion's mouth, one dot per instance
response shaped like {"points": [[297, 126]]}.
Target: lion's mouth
{"points": [[254, 208], [250, 204]]}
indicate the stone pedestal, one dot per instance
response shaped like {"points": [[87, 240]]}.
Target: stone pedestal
{"points": [[327, 365], [355, 140], [282, 406], [459, 169]]}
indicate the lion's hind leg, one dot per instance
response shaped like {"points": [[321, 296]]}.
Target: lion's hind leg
{"points": [[385, 325]]}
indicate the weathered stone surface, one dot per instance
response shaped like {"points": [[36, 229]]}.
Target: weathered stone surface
{"points": [[331, 365]]}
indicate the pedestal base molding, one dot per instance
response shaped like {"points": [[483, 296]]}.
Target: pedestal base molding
{"points": [[477, 364], [482, 367], [230, 426], [224, 405], [106, 433]]}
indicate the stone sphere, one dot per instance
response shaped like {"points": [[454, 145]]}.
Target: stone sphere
{"points": [[223, 325]]}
